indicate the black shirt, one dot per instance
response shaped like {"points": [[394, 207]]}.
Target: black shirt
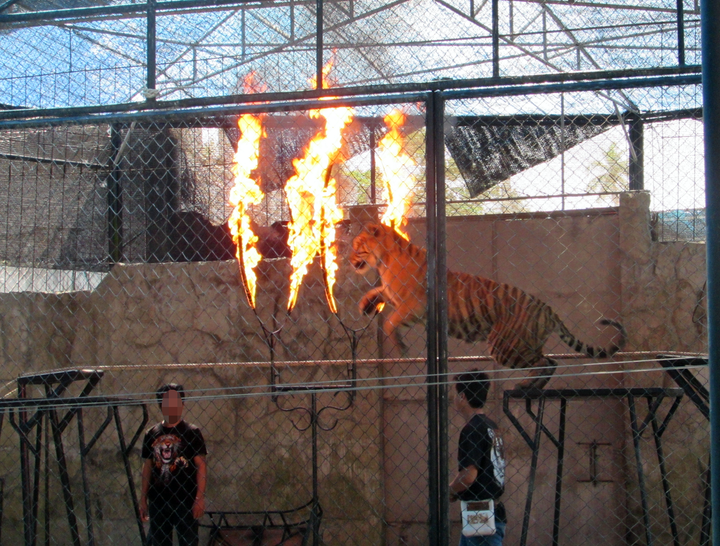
{"points": [[172, 450], [481, 447]]}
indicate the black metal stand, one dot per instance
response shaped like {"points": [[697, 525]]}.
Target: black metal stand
{"points": [[654, 398], [55, 384], [677, 369]]}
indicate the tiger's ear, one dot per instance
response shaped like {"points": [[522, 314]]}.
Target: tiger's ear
{"points": [[375, 230], [397, 237]]}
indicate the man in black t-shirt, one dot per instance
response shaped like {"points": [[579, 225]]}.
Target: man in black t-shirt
{"points": [[174, 472], [481, 462]]}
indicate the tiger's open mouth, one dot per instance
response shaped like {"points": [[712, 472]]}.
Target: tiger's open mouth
{"points": [[166, 454]]}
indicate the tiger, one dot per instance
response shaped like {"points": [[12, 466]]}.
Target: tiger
{"points": [[515, 324]]}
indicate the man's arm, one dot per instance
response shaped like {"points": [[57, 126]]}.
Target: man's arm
{"points": [[198, 508], [146, 473], [463, 480]]}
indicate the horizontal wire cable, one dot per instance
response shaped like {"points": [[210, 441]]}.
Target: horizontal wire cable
{"points": [[385, 378], [324, 387], [370, 361], [327, 363]]}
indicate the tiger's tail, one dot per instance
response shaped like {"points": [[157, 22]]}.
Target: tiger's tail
{"points": [[594, 352]]}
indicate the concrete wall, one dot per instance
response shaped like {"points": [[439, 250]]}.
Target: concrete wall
{"points": [[373, 469]]}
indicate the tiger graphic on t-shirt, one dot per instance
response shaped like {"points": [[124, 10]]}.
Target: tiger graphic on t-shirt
{"points": [[167, 460]]}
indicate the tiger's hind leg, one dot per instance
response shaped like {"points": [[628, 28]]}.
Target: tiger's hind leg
{"points": [[394, 345], [539, 375], [515, 351]]}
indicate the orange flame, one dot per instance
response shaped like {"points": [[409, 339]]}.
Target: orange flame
{"points": [[246, 192], [332, 214], [252, 85], [312, 202], [396, 168]]}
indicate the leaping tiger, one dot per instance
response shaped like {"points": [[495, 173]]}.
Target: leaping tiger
{"points": [[515, 324]]}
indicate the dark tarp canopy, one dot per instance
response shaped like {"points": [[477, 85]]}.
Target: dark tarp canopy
{"points": [[488, 150]]}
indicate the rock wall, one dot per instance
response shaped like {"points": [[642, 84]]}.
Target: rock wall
{"points": [[662, 282]]}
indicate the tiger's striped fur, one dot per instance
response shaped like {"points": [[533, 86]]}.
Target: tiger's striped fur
{"points": [[515, 324]]}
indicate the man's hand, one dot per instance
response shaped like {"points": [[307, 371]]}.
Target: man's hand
{"points": [[198, 508], [463, 481], [144, 514]]}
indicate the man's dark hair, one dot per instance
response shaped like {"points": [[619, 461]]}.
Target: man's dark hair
{"points": [[169, 387], [475, 385]]}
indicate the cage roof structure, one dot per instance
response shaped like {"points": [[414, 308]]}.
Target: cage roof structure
{"points": [[74, 53]]}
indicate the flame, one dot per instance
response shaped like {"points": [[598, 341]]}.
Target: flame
{"points": [[252, 85], [331, 215], [396, 168], [246, 192], [325, 83], [311, 198]]}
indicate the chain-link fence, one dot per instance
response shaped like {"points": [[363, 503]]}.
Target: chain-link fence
{"points": [[181, 207]]}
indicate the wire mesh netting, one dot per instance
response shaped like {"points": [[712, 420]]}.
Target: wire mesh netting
{"points": [[184, 203], [326, 412]]}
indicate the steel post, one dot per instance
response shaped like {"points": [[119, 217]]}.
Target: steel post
{"points": [[434, 492], [114, 196], [710, 31], [36, 476], [46, 512], [641, 474], [442, 318], [319, 44], [85, 481], [2, 500], [680, 11], [657, 436], [373, 166], [28, 525], [151, 48], [64, 476], [124, 451], [496, 38], [316, 496], [559, 472], [636, 167], [533, 468]]}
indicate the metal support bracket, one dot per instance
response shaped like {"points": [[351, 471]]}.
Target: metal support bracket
{"points": [[654, 397]]}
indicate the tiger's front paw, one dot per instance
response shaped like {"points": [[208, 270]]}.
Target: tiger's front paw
{"points": [[372, 305]]}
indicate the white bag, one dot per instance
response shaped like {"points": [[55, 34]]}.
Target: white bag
{"points": [[478, 518]]}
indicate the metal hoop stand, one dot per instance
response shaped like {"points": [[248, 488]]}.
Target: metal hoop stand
{"points": [[312, 410]]}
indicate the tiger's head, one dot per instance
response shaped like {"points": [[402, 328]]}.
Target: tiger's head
{"points": [[371, 244], [166, 450]]}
